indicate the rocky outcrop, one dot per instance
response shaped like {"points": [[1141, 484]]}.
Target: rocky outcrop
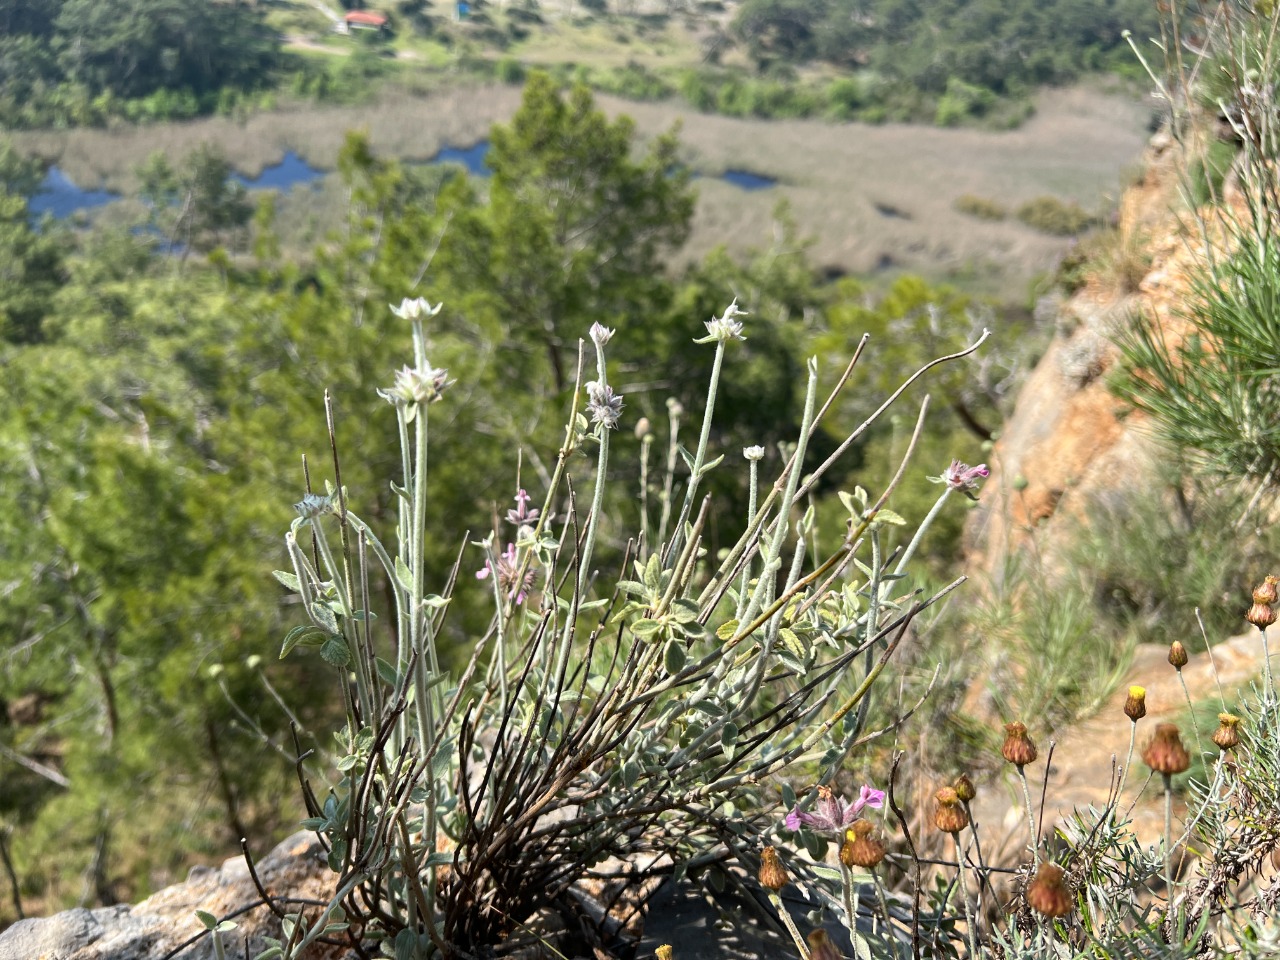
{"points": [[160, 925], [1069, 439]]}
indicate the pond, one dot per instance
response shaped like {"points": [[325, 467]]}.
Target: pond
{"points": [[58, 194], [473, 159], [289, 172], [61, 198], [748, 180]]}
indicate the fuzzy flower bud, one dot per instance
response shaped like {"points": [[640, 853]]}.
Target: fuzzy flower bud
{"points": [[1165, 753], [414, 309], [664, 952], [1177, 655], [773, 875], [1266, 591], [1048, 893], [1227, 736], [600, 334], [725, 327], [1135, 707], [313, 505], [949, 816], [753, 453], [964, 788], [1018, 748], [603, 404], [644, 429], [417, 385]]}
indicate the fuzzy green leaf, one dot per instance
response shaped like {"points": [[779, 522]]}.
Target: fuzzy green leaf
{"points": [[644, 629], [288, 580], [334, 650], [673, 658], [403, 576]]}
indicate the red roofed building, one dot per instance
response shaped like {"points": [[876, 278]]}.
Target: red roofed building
{"points": [[365, 20]]}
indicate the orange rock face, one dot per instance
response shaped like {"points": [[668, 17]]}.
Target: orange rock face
{"points": [[1069, 439]]}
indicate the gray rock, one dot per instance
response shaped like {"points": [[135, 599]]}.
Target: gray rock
{"points": [[50, 938], [163, 922]]}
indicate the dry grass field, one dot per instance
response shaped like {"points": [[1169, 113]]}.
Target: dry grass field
{"points": [[873, 197]]}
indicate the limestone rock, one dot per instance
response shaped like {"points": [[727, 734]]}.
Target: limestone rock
{"points": [[160, 924]]}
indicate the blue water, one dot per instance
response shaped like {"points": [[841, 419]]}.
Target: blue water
{"points": [[471, 157], [289, 172], [747, 180], [59, 196]]}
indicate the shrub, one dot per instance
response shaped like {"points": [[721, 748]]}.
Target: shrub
{"points": [[605, 711], [1053, 216], [980, 207], [510, 71]]}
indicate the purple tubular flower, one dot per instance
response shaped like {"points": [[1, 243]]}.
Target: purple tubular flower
{"points": [[960, 476], [523, 513], [831, 814]]}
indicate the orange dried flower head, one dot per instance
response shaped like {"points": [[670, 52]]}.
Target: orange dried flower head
{"points": [[964, 788], [821, 947], [1165, 753], [773, 875], [1135, 706], [949, 816], [1261, 615], [1266, 592], [860, 849], [1018, 748], [1177, 655], [1048, 893], [1227, 736]]}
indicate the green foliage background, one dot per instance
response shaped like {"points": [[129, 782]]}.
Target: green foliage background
{"points": [[156, 407]]}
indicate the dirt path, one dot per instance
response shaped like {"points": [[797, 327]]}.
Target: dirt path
{"points": [[1086, 756]]}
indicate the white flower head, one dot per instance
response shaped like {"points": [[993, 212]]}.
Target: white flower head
{"points": [[753, 453], [603, 404], [414, 309], [725, 327], [417, 385], [600, 334]]}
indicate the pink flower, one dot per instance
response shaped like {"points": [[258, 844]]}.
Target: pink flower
{"points": [[523, 513], [960, 476], [831, 814], [515, 586]]}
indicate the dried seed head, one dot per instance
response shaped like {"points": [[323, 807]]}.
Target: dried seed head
{"points": [[1227, 736], [1018, 748], [1261, 615], [1048, 893], [860, 849], [665, 952], [949, 816], [1177, 655], [821, 947], [1135, 707], [1165, 752], [773, 875], [964, 788], [1266, 592]]}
